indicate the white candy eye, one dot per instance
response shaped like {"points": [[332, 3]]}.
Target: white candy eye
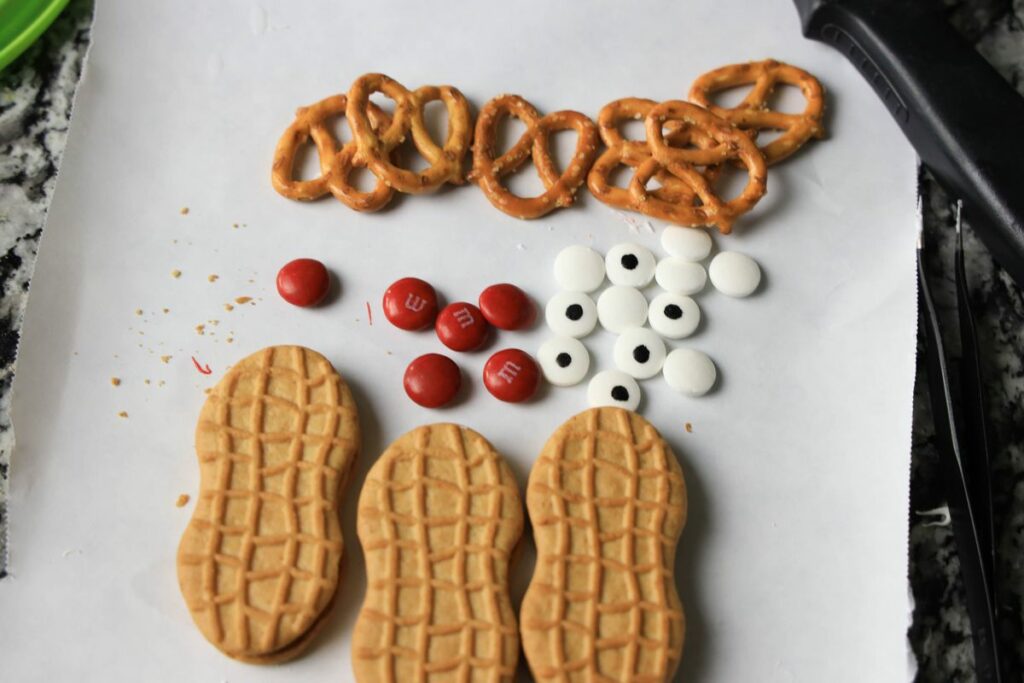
{"points": [[619, 308], [689, 244], [678, 275], [673, 315], [579, 269], [734, 274], [630, 265], [564, 361], [639, 352], [571, 314], [613, 388], [690, 372]]}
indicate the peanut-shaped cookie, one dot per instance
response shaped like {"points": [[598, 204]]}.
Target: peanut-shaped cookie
{"points": [[258, 563], [607, 503], [439, 515]]}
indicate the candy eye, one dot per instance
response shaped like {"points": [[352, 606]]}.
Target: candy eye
{"points": [[613, 388], [571, 314], [678, 275], [688, 244], [735, 274], [630, 265], [620, 308], [579, 269], [690, 372], [564, 361], [639, 352], [673, 315]]}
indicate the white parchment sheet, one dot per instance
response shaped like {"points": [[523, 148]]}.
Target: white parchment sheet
{"points": [[793, 565]]}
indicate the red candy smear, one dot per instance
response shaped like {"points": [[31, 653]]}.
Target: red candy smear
{"points": [[432, 380], [303, 282], [511, 375], [507, 307], [410, 304], [461, 327]]}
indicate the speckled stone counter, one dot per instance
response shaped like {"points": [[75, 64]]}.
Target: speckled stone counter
{"points": [[35, 102]]}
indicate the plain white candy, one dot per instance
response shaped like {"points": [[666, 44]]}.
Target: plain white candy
{"points": [[690, 372], [664, 319], [630, 265], [557, 317], [563, 375], [639, 352], [579, 269], [620, 308], [604, 386], [679, 275], [691, 244], [734, 274]]}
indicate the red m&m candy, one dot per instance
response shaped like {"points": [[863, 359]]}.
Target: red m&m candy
{"points": [[506, 307], [432, 380], [303, 282], [511, 375], [410, 304], [461, 327]]}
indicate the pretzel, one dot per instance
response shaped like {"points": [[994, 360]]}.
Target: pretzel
{"points": [[731, 142], [560, 188], [753, 112], [675, 200], [445, 162], [336, 163]]}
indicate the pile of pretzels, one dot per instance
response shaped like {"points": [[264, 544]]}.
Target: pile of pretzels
{"points": [[687, 145]]}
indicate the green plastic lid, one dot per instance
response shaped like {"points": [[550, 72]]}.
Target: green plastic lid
{"points": [[22, 22]]}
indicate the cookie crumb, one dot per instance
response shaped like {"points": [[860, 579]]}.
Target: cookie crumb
{"points": [[184, 211], [200, 329], [165, 359], [688, 427], [161, 383], [146, 381], [242, 299], [213, 277], [123, 414], [166, 310], [229, 340], [175, 273], [182, 501], [115, 381], [138, 311], [234, 225], [228, 307]]}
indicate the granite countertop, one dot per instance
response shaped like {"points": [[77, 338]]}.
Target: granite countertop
{"points": [[35, 103]]}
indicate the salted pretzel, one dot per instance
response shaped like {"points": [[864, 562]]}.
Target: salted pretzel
{"points": [[727, 143], [337, 162], [489, 170], [376, 148], [753, 113]]}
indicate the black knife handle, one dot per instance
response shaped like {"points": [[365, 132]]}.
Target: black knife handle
{"points": [[965, 121]]}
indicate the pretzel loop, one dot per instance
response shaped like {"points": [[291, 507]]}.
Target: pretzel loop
{"points": [[336, 161], [753, 113], [560, 187], [445, 162]]}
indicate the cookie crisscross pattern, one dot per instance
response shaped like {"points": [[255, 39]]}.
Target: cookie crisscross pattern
{"points": [[438, 517], [258, 563], [607, 503]]}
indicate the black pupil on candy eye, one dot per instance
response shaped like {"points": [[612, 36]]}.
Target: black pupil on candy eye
{"points": [[641, 354], [630, 261], [563, 359], [673, 312], [620, 393], [574, 312]]}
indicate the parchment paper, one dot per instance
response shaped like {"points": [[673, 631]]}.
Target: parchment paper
{"points": [[793, 564]]}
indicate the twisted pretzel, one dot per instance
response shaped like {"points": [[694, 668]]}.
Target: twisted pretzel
{"points": [[336, 164], [445, 162], [560, 188], [676, 200], [753, 113]]}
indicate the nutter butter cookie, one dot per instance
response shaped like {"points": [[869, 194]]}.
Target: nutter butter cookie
{"points": [[258, 563], [607, 502], [439, 515]]}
